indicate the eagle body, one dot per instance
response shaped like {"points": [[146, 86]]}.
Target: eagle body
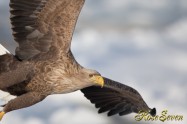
{"points": [[48, 77], [43, 63]]}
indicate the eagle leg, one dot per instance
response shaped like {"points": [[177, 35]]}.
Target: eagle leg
{"points": [[22, 101]]}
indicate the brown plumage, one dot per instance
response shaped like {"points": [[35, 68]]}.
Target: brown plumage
{"points": [[44, 65]]}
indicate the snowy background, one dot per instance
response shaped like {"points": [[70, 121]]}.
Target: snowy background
{"points": [[142, 43]]}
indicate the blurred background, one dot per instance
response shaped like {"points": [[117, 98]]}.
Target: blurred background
{"points": [[142, 43]]}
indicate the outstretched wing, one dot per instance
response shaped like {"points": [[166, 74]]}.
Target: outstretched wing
{"points": [[116, 98], [43, 28]]}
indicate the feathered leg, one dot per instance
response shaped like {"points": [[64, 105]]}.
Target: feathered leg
{"points": [[22, 101]]}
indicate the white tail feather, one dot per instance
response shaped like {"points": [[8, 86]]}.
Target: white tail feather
{"points": [[5, 96], [3, 50]]}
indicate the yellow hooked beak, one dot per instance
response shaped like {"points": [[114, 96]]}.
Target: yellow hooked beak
{"points": [[98, 80]]}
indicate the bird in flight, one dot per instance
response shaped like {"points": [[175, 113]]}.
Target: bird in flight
{"points": [[43, 63]]}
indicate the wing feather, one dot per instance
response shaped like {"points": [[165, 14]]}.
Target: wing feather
{"points": [[40, 26], [116, 98]]}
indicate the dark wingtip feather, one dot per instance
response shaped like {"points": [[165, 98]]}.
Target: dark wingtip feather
{"points": [[110, 114], [153, 112]]}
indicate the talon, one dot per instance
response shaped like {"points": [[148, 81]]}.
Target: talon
{"points": [[98, 80], [1, 115]]}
